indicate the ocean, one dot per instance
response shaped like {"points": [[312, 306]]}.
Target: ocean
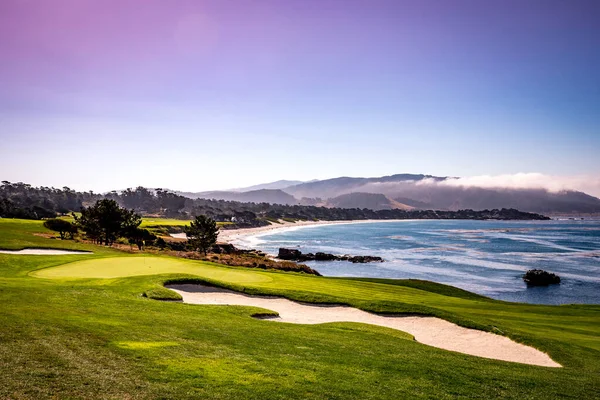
{"points": [[485, 257]]}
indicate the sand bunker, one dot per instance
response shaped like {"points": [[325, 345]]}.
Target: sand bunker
{"points": [[43, 252], [432, 331]]}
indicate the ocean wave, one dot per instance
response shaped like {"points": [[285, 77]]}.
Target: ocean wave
{"points": [[486, 257]]}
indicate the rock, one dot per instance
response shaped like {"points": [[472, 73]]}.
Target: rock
{"points": [[325, 257], [365, 259], [297, 255], [539, 277], [224, 248], [289, 254]]}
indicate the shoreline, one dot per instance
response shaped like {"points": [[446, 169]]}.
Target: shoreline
{"points": [[229, 235]]}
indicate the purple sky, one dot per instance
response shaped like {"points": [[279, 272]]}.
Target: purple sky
{"points": [[215, 94]]}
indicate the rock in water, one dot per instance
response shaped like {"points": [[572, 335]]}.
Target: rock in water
{"points": [[365, 259], [539, 277], [324, 257], [297, 255]]}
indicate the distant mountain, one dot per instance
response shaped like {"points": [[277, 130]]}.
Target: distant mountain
{"points": [[329, 188], [254, 196], [372, 201], [271, 185], [433, 192], [409, 191]]}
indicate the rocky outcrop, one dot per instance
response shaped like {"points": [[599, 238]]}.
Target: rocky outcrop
{"points": [[224, 248], [297, 255], [361, 259], [227, 248], [228, 254], [539, 277], [290, 255]]}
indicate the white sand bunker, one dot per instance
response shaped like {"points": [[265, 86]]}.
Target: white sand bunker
{"points": [[432, 331], [43, 252]]}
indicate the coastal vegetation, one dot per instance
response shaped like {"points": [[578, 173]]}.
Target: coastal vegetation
{"points": [[61, 226], [19, 200], [202, 233], [105, 222], [79, 326]]}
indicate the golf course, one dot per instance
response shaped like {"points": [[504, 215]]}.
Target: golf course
{"points": [[102, 324]]}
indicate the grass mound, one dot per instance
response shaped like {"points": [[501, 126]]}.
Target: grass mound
{"points": [[162, 293]]}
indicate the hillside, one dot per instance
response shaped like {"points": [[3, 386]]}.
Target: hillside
{"points": [[371, 201], [437, 193], [410, 191], [329, 188]]}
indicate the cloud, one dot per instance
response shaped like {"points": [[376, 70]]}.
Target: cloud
{"points": [[554, 183]]}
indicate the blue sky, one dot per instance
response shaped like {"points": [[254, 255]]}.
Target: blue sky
{"points": [[198, 95]]}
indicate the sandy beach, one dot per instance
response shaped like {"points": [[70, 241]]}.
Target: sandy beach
{"points": [[230, 235], [431, 331]]}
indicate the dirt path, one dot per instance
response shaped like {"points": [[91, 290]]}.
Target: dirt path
{"points": [[431, 331]]}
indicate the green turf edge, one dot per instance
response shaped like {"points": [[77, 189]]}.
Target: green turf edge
{"points": [[428, 286]]}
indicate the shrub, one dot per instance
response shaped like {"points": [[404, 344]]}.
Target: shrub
{"points": [[178, 246], [61, 226], [160, 243]]}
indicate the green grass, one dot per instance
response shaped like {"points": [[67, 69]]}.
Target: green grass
{"points": [[117, 267], [79, 327], [150, 222], [165, 226]]}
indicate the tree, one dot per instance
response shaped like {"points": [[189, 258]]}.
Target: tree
{"points": [[61, 226], [105, 221], [202, 233], [140, 237]]}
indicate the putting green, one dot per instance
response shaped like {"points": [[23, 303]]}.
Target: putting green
{"points": [[119, 267]]}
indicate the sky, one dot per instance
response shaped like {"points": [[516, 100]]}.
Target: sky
{"points": [[205, 95]]}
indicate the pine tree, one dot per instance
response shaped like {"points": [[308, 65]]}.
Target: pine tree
{"points": [[202, 233]]}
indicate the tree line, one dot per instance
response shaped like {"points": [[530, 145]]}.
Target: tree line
{"points": [[105, 222], [19, 200]]}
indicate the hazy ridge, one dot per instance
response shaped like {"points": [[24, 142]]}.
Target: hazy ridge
{"points": [[408, 191]]}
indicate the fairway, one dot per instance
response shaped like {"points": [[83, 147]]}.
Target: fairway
{"points": [[146, 222], [87, 326]]}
